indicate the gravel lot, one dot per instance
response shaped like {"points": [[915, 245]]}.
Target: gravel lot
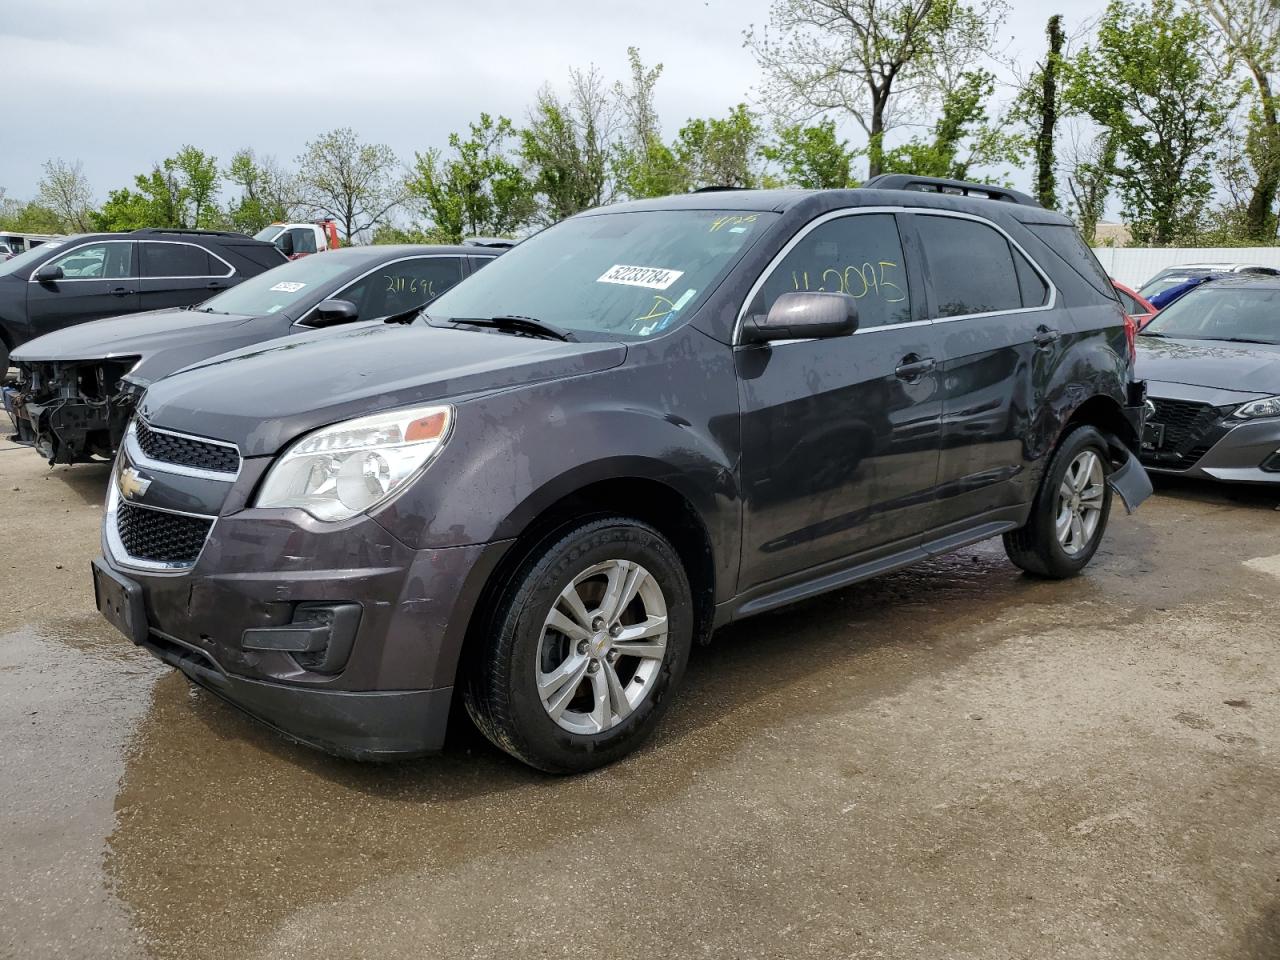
{"points": [[950, 762]]}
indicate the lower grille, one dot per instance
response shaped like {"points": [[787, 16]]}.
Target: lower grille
{"points": [[1190, 429], [161, 537], [1272, 463]]}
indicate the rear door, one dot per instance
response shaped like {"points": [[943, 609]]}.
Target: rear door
{"points": [[99, 280], [178, 274], [998, 335], [840, 436]]}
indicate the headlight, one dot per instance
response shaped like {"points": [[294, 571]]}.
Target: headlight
{"points": [[1267, 407], [345, 469]]}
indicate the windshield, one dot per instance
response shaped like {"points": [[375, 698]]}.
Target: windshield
{"points": [[269, 233], [278, 288], [24, 261], [1216, 312], [613, 276]]}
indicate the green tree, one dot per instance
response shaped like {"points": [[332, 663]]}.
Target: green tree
{"points": [[643, 165], [180, 191], [353, 182], [1249, 31], [477, 190], [1041, 107], [1148, 81], [869, 60], [962, 136], [812, 157], [267, 193], [567, 145], [720, 152], [65, 190], [33, 217]]}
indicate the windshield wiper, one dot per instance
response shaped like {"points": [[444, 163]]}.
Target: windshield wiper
{"points": [[518, 324], [1152, 333], [1270, 343]]}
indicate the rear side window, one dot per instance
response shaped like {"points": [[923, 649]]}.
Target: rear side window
{"points": [[1066, 242], [971, 267], [860, 255], [178, 260]]}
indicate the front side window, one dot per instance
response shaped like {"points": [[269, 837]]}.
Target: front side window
{"points": [[302, 241], [611, 276], [178, 260], [971, 266], [860, 255], [401, 286], [97, 261]]}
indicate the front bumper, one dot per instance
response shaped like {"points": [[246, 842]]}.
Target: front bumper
{"points": [[258, 574], [1244, 451]]}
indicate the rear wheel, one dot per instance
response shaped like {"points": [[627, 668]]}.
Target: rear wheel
{"points": [[588, 642], [1070, 513]]}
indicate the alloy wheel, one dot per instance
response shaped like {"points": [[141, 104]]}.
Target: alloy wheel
{"points": [[602, 647], [1080, 501]]}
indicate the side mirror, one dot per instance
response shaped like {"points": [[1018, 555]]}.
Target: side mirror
{"points": [[801, 315], [332, 312], [48, 273]]}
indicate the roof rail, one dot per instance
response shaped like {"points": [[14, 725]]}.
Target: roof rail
{"points": [[500, 242], [152, 231], [717, 188], [953, 188]]}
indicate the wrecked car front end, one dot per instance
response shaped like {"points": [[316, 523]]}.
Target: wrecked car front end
{"points": [[72, 411]]}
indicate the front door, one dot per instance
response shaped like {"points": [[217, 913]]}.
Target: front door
{"points": [[840, 436], [98, 280]]}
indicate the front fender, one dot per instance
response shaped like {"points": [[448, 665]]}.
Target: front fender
{"points": [[670, 417]]}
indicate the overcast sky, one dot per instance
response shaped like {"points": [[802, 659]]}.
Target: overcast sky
{"points": [[119, 84]]}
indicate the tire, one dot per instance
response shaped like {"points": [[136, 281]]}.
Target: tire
{"points": [[1038, 547], [524, 690]]}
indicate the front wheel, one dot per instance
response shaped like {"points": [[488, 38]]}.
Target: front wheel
{"points": [[589, 640], [1070, 512]]}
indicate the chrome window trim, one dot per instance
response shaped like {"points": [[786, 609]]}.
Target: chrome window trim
{"points": [[66, 253], [116, 548], [859, 211], [302, 321], [231, 271], [140, 458]]}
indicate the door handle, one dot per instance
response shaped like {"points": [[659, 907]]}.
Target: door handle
{"points": [[1045, 336], [913, 367], [119, 291], [215, 285]]}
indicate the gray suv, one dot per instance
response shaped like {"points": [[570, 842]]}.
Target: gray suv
{"points": [[641, 424]]}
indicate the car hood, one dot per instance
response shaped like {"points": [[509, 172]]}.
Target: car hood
{"points": [[1243, 367], [133, 335], [263, 397]]}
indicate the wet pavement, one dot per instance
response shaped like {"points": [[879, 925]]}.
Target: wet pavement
{"points": [[954, 761]]}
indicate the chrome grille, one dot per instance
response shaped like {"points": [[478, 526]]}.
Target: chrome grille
{"points": [[183, 451]]}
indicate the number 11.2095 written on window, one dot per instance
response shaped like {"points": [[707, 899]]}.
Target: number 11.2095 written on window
{"points": [[857, 281]]}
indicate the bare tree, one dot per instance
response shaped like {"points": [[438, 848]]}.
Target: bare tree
{"points": [[871, 60], [353, 182], [1090, 162], [65, 190]]}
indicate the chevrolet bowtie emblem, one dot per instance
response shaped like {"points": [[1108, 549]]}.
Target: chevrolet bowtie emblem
{"points": [[133, 484]]}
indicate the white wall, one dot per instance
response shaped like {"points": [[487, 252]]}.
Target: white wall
{"points": [[1134, 266]]}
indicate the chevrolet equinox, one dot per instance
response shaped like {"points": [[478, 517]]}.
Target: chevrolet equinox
{"points": [[641, 424]]}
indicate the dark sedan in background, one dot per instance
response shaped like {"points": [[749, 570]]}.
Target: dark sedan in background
{"points": [[1212, 365], [93, 275], [77, 387]]}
